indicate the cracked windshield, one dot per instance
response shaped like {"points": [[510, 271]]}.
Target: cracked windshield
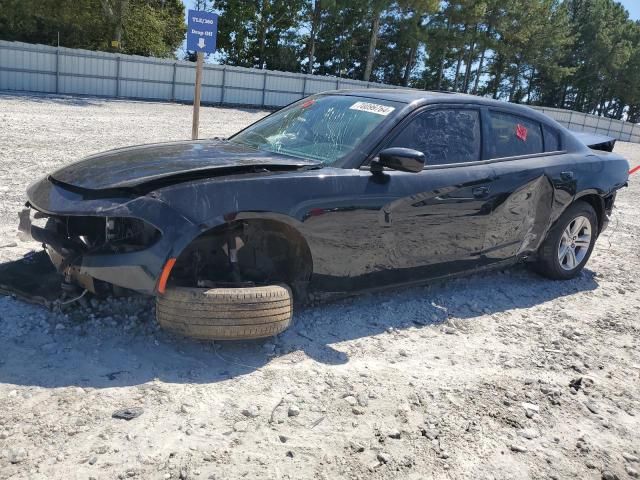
{"points": [[323, 128]]}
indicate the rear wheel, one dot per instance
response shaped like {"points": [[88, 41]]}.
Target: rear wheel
{"points": [[226, 313], [569, 243]]}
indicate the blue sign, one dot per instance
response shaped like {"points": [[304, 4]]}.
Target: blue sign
{"points": [[202, 31]]}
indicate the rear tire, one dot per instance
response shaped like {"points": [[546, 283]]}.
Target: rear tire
{"points": [[569, 243], [226, 313]]}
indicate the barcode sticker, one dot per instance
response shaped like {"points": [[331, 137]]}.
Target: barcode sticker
{"points": [[372, 108]]}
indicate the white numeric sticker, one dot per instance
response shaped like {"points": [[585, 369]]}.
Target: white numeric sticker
{"points": [[372, 108]]}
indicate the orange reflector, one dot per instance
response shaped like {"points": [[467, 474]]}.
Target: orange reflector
{"points": [[164, 276]]}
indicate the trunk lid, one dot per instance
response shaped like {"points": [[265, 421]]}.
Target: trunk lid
{"points": [[596, 141]]}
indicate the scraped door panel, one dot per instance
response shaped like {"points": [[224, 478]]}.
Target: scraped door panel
{"points": [[522, 201], [523, 195]]}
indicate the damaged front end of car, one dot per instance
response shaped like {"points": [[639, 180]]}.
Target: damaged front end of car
{"points": [[69, 239], [98, 241], [107, 217]]}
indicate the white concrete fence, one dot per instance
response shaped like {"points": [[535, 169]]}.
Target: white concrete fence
{"points": [[26, 67], [583, 122]]}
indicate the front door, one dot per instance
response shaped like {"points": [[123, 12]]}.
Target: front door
{"points": [[440, 216], [372, 230]]}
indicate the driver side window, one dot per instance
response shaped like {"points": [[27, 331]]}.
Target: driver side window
{"points": [[445, 136]]}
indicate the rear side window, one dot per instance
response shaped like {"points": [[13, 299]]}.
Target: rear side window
{"points": [[444, 136], [512, 135], [551, 139]]}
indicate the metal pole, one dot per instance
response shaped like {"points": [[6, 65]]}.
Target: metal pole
{"points": [[264, 86], [196, 98]]}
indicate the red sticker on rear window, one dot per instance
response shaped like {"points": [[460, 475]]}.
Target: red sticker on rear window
{"points": [[308, 103], [521, 132]]}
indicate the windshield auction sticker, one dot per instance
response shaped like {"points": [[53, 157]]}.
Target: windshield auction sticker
{"points": [[372, 108]]}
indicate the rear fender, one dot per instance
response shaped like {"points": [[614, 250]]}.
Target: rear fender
{"points": [[595, 199]]}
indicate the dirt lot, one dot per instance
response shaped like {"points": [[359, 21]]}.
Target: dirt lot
{"points": [[500, 376]]}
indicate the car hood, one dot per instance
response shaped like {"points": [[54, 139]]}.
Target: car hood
{"points": [[167, 163]]}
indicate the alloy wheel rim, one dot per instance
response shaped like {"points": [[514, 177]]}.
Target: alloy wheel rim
{"points": [[574, 243]]}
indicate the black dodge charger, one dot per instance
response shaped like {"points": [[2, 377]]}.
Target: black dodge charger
{"points": [[339, 192]]}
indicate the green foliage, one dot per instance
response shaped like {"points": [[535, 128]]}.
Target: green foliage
{"points": [[343, 39], [143, 27], [259, 33], [153, 28], [79, 24]]}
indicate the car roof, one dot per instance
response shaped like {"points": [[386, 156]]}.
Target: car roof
{"points": [[407, 95], [404, 95], [417, 98]]}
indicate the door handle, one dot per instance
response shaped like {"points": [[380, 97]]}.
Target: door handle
{"points": [[480, 192], [567, 176]]}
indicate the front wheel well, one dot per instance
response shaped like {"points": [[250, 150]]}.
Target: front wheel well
{"points": [[267, 252]]}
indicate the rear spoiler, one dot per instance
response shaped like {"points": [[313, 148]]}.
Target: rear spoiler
{"points": [[595, 141]]}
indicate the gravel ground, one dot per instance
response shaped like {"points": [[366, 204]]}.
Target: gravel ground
{"points": [[498, 376]]}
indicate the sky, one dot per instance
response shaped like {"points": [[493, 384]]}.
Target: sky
{"points": [[633, 6], [190, 4]]}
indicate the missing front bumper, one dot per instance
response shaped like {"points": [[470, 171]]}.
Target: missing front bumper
{"points": [[80, 265]]}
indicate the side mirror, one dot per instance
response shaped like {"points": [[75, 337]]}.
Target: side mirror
{"points": [[398, 158]]}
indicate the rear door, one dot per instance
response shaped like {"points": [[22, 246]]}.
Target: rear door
{"points": [[523, 194]]}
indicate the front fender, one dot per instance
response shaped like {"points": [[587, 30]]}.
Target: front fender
{"points": [[290, 198], [137, 270]]}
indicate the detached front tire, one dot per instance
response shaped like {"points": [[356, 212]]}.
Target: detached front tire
{"points": [[569, 243], [226, 313]]}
